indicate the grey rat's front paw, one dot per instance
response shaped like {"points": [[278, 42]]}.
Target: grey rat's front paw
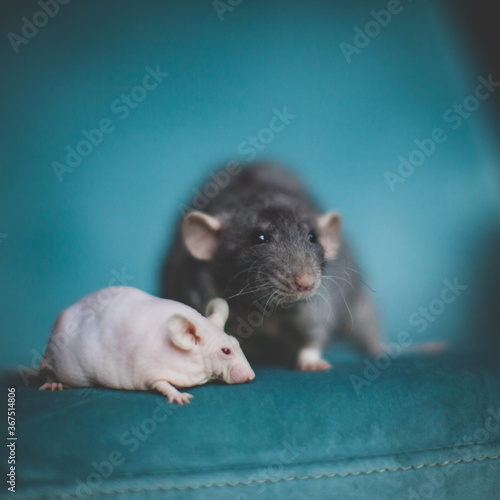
{"points": [[318, 365], [310, 360]]}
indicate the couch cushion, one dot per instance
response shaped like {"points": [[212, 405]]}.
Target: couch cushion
{"points": [[419, 427]]}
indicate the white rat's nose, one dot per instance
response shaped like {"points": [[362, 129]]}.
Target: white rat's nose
{"points": [[240, 374]]}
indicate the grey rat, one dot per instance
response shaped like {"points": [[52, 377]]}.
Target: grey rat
{"points": [[262, 243]]}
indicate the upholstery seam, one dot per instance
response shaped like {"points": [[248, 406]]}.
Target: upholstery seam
{"points": [[316, 462], [269, 481]]}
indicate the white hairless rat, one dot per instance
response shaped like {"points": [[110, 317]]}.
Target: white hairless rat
{"points": [[124, 338]]}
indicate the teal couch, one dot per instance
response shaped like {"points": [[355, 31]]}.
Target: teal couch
{"points": [[112, 112], [424, 428]]}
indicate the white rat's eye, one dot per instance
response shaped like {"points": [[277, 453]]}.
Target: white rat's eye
{"points": [[226, 351]]}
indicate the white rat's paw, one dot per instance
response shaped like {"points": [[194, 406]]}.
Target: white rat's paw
{"points": [[172, 394], [53, 386], [180, 398], [321, 364]]}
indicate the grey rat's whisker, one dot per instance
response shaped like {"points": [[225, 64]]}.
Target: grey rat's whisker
{"points": [[347, 306], [246, 292], [332, 278]]}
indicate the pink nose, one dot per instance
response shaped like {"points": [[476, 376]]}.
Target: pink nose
{"points": [[241, 374], [304, 282]]}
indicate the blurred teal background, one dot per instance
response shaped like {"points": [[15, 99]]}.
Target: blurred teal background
{"points": [[113, 214]]}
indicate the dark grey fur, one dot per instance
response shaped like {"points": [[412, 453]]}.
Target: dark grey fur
{"points": [[255, 279]]}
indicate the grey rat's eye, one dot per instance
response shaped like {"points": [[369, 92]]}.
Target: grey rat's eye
{"points": [[226, 351], [312, 237], [257, 237]]}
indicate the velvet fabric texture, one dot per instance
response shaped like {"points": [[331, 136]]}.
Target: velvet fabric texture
{"points": [[426, 427]]}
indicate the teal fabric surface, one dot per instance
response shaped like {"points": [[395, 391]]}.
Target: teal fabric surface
{"points": [[423, 425]]}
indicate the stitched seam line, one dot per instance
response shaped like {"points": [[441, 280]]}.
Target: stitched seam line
{"points": [[270, 481], [306, 463]]}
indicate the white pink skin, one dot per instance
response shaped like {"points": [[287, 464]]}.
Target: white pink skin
{"points": [[124, 338]]}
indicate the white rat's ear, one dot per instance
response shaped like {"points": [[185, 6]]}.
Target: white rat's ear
{"points": [[329, 233], [217, 312], [183, 332], [201, 234]]}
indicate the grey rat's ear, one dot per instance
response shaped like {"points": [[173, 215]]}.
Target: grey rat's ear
{"points": [[201, 233], [183, 331], [217, 312], [329, 233]]}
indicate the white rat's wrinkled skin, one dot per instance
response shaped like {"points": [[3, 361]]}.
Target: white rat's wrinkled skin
{"points": [[123, 338]]}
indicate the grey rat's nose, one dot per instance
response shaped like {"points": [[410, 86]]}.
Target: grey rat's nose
{"points": [[304, 282]]}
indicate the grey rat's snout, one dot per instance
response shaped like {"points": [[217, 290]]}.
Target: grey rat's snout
{"points": [[292, 269], [306, 281], [299, 282]]}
